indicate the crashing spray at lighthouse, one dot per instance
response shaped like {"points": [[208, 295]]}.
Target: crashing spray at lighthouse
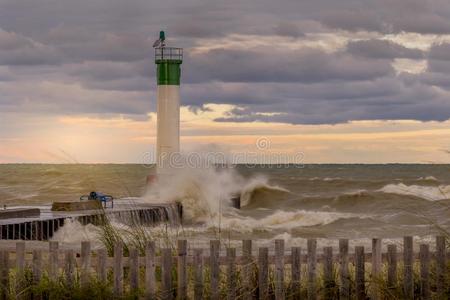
{"points": [[168, 61]]}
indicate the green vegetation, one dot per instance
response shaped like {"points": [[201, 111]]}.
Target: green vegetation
{"points": [[23, 286]]}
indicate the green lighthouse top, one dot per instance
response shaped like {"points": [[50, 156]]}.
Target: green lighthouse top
{"points": [[168, 61], [165, 54]]}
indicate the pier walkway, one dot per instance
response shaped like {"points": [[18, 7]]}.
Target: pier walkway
{"points": [[42, 226]]}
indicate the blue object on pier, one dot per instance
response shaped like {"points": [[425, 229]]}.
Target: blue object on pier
{"points": [[99, 197]]}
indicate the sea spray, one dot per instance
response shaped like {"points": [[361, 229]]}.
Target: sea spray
{"points": [[73, 232], [205, 193], [202, 192]]}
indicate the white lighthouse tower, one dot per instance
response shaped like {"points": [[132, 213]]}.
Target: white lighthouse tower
{"points": [[168, 61]]}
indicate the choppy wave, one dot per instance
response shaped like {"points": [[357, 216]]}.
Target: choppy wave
{"points": [[432, 193], [282, 220], [325, 178], [259, 188], [428, 178]]}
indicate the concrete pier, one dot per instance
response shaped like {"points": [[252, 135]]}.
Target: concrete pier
{"points": [[19, 213], [43, 226]]}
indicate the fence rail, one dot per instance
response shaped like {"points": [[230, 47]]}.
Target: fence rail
{"points": [[219, 273]]}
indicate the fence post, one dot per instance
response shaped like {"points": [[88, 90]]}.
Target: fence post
{"points": [[344, 290], [53, 259], [118, 269], [328, 273], [312, 263], [166, 274], [376, 268], [392, 266], [263, 272], [359, 276], [198, 274], [247, 269], [85, 262], [20, 257], [231, 273], [295, 272], [101, 265], [69, 268], [134, 269], [214, 268], [408, 279], [150, 285], [181, 269], [279, 269], [441, 266], [37, 265], [4, 272], [424, 255]]}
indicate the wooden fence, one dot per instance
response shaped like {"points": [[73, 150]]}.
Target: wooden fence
{"points": [[168, 273]]}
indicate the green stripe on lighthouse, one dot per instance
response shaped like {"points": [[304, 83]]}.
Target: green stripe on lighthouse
{"points": [[168, 71], [168, 60]]}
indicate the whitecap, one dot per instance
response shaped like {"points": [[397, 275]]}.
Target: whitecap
{"points": [[432, 193]]}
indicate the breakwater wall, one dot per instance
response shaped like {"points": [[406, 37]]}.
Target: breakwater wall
{"points": [[41, 227]]}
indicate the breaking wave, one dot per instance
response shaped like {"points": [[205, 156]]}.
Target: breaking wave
{"points": [[282, 220], [259, 188], [432, 193], [428, 178]]}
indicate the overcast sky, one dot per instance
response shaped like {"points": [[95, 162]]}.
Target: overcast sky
{"points": [[338, 80]]}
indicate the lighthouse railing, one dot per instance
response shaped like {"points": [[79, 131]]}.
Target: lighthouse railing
{"points": [[168, 53]]}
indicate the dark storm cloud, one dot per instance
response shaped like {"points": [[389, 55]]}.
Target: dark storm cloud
{"points": [[199, 19], [108, 47], [103, 70], [16, 49], [425, 24], [5, 74], [402, 102], [279, 96], [114, 75], [288, 29], [390, 16], [441, 80], [131, 84], [438, 67], [353, 20], [431, 16], [66, 99], [273, 65], [440, 52], [190, 29], [383, 49], [104, 47]]}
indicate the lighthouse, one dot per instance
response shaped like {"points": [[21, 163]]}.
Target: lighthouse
{"points": [[168, 73]]}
